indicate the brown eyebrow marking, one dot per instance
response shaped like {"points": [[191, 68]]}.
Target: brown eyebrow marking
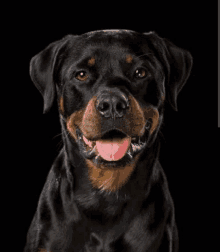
{"points": [[91, 62], [61, 105], [129, 58]]}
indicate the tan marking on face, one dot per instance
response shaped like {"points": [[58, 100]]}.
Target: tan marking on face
{"points": [[61, 105], [110, 179], [129, 58], [163, 98], [153, 114], [74, 121], [91, 62]]}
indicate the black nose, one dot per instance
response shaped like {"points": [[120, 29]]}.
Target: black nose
{"points": [[112, 105]]}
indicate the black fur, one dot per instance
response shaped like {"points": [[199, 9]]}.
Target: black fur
{"points": [[72, 215]]}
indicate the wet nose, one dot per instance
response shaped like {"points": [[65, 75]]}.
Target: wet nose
{"points": [[112, 105]]}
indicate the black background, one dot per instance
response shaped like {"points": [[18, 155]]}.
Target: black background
{"points": [[187, 154]]}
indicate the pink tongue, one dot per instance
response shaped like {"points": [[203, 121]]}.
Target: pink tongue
{"points": [[113, 149]]}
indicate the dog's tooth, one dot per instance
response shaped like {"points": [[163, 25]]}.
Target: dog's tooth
{"points": [[136, 147], [97, 158], [133, 147], [94, 148], [129, 153], [93, 151], [131, 150]]}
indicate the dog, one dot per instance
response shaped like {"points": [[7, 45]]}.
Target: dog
{"points": [[106, 190]]}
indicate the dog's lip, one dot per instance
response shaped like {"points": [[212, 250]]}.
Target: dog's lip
{"points": [[104, 133], [89, 146], [91, 141], [134, 138]]}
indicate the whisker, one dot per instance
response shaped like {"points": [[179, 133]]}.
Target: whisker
{"points": [[66, 133], [57, 136], [60, 145], [144, 55]]}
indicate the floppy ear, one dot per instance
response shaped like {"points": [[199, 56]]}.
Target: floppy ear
{"points": [[178, 65], [41, 71]]}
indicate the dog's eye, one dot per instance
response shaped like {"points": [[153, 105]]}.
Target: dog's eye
{"points": [[140, 73], [82, 76]]}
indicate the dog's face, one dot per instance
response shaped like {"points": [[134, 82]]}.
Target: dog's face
{"points": [[111, 87]]}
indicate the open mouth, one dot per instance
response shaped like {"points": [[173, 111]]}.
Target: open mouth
{"points": [[112, 149]]}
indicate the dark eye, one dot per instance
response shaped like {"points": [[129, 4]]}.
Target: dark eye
{"points": [[82, 76], [140, 73]]}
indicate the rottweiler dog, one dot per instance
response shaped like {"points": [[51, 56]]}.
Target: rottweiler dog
{"points": [[106, 190]]}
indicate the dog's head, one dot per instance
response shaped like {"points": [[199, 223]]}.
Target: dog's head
{"points": [[111, 87]]}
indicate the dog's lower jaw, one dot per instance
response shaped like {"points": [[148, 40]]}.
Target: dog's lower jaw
{"points": [[110, 179]]}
